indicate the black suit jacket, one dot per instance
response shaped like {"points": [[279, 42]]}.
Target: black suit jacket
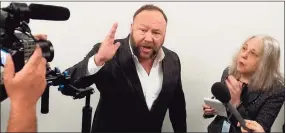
{"points": [[258, 106], [122, 105]]}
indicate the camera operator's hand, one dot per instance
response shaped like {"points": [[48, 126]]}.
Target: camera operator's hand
{"points": [[252, 125], [107, 48], [40, 37], [25, 87]]}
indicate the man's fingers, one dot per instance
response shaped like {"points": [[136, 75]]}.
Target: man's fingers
{"points": [[252, 126], [111, 33], [9, 69], [255, 123], [116, 45], [251, 122], [35, 59], [113, 30], [41, 73], [42, 67], [243, 130]]}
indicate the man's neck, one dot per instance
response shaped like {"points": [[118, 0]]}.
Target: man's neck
{"points": [[147, 64]]}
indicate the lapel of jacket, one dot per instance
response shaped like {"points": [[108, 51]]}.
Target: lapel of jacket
{"points": [[249, 96], [128, 67], [129, 71], [162, 97]]}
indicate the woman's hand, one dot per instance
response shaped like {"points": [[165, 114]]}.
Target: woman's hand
{"points": [[208, 110], [235, 89]]}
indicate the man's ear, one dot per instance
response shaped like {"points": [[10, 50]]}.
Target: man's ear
{"points": [[131, 27]]}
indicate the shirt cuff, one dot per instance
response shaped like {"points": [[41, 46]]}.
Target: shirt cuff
{"points": [[92, 68]]}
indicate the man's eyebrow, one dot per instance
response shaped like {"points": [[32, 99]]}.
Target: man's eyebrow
{"points": [[156, 30]]}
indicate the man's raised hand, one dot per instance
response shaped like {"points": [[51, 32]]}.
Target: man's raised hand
{"points": [[107, 48]]}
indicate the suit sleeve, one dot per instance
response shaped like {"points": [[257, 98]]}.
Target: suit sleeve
{"points": [[82, 70], [269, 111], [177, 109]]}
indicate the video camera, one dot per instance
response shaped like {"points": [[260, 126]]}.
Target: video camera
{"points": [[21, 45]]}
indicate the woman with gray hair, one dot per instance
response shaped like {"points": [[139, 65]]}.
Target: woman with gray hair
{"points": [[255, 84]]}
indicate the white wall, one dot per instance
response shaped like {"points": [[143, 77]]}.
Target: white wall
{"points": [[204, 34]]}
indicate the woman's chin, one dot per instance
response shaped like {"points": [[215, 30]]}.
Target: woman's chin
{"points": [[241, 70]]}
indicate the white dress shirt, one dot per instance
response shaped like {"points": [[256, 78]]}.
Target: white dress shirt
{"points": [[151, 84]]}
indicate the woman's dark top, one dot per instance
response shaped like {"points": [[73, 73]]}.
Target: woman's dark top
{"points": [[261, 107]]}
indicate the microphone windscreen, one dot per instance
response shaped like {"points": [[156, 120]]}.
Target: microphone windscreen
{"points": [[48, 12], [221, 92]]}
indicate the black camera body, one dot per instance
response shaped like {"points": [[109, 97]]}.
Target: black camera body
{"points": [[21, 44], [17, 40]]}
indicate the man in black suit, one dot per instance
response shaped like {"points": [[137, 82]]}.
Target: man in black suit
{"points": [[138, 78]]}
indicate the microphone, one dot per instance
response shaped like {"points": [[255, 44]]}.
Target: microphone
{"points": [[48, 12], [37, 11], [221, 92]]}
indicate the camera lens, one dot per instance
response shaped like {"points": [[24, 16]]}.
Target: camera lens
{"points": [[47, 49]]}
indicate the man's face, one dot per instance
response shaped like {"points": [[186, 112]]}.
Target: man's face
{"points": [[148, 34]]}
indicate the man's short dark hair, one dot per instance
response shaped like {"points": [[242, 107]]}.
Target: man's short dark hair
{"points": [[150, 7]]}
